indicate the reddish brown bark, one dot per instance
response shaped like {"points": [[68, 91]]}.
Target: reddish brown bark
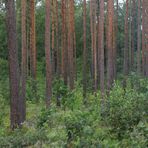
{"points": [[101, 26], [133, 33], [115, 40], [110, 44], [84, 53], [64, 48], [24, 62], [93, 42], [32, 39], [58, 57], [75, 57], [13, 64], [139, 39], [48, 55], [70, 45], [126, 59], [53, 37]]}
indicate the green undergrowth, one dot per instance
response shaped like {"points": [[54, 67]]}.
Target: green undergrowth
{"points": [[121, 122]]}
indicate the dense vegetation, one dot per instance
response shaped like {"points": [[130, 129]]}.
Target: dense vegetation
{"points": [[81, 116]]}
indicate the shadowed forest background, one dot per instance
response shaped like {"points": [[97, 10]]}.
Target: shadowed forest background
{"points": [[74, 73]]}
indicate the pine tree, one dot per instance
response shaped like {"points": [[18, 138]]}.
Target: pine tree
{"points": [[13, 64], [84, 53], [110, 44], [101, 26], [32, 39], [139, 39], [48, 55], [24, 62], [126, 55]]}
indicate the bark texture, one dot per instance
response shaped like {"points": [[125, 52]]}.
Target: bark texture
{"points": [[48, 55], [13, 64]]}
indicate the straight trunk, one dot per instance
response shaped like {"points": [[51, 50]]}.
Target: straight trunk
{"points": [[110, 44], [64, 48], [133, 33], [32, 39], [126, 56], [70, 45], [48, 55], [84, 53], [13, 64], [139, 39], [24, 62], [58, 57], [101, 26]]}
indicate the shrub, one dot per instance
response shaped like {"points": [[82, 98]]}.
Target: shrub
{"points": [[127, 109]]}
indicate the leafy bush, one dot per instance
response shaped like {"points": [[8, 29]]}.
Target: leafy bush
{"points": [[3, 69], [45, 116], [22, 138], [127, 109]]}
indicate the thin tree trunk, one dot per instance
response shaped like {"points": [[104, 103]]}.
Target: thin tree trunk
{"points": [[24, 62], [95, 48], [130, 35], [110, 44], [139, 39], [64, 48], [92, 41], [133, 32], [70, 45], [145, 37], [32, 39], [53, 37], [101, 24], [126, 56], [48, 55], [84, 53], [58, 57]]}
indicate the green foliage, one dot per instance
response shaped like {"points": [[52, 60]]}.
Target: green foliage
{"points": [[3, 69], [22, 138], [127, 109], [59, 88], [45, 116]]}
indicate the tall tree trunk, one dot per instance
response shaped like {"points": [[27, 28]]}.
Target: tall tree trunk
{"points": [[70, 45], [84, 53], [32, 39], [24, 62], [48, 55], [13, 63], [145, 37], [139, 39], [130, 35], [101, 24], [53, 37], [93, 42], [126, 56], [95, 48], [58, 57], [133, 32], [115, 40], [64, 48], [98, 51], [74, 44], [110, 44]]}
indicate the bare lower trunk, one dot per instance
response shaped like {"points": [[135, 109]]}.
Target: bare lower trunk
{"points": [[48, 55], [13, 64]]}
